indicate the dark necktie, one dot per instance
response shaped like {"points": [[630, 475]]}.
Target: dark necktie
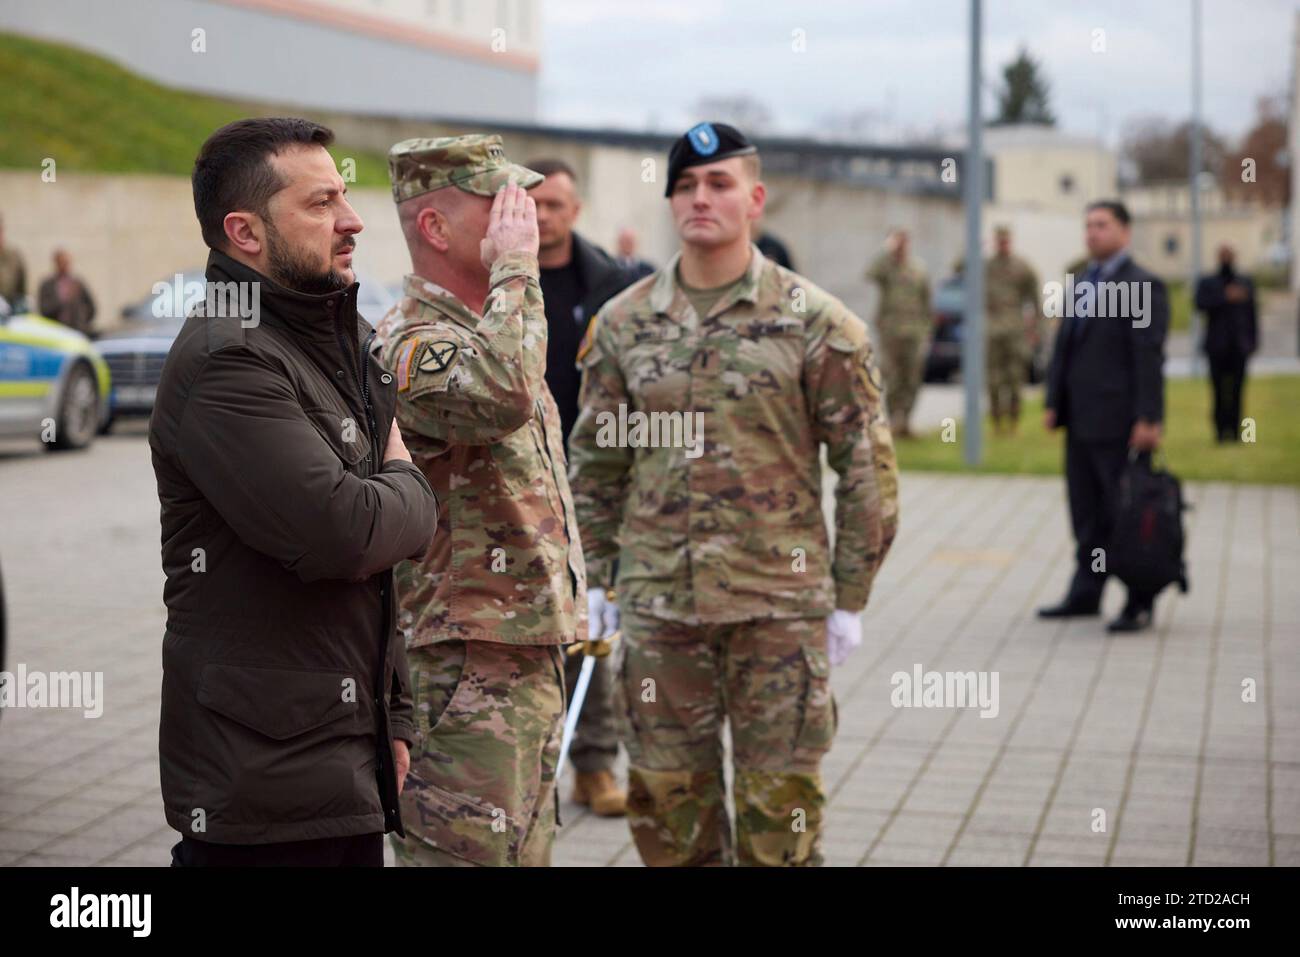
{"points": [[1081, 311]]}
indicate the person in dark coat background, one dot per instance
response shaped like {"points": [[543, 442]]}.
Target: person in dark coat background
{"points": [[1106, 388], [1231, 334], [578, 277]]}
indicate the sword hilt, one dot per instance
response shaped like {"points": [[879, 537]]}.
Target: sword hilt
{"points": [[596, 647]]}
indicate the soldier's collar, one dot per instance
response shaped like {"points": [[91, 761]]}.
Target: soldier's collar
{"points": [[665, 286], [431, 294]]}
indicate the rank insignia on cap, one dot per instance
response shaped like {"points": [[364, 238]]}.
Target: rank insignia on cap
{"points": [[437, 356], [703, 138]]}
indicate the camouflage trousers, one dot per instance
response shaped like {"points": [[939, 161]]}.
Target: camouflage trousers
{"points": [[1007, 355], [770, 680], [903, 366], [481, 789], [595, 739]]}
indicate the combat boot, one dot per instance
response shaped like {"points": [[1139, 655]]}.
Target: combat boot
{"points": [[598, 790]]}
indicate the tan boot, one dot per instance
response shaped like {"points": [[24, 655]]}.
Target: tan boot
{"points": [[598, 790]]}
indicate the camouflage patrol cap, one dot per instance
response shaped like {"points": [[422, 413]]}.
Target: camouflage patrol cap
{"points": [[476, 163]]}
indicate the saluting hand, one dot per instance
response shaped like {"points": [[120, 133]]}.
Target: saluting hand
{"points": [[512, 225]]}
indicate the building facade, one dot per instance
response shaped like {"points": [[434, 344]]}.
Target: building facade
{"points": [[470, 59]]}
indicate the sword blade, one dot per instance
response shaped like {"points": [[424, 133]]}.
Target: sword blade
{"points": [[575, 711]]}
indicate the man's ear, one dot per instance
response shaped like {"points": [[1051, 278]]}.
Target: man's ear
{"points": [[433, 228], [244, 232], [757, 200]]}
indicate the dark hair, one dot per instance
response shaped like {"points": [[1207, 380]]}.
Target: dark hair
{"points": [[1114, 207], [549, 167], [233, 169]]}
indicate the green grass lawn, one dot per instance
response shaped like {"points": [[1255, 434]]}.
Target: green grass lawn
{"points": [[91, 115], [1189, 448]]}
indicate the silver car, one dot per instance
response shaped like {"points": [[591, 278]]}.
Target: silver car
{"points": [[136, 350]]}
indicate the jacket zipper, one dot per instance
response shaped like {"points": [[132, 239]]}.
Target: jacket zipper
{"points": [[361, 373]]}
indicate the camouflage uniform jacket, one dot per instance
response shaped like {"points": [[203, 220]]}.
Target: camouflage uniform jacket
{"points": [[904, 297], [479, 421], [1009, 284], [735, 532]]}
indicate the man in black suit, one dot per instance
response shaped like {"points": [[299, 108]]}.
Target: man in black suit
{"points": [[1105, 387], [1231, 333]]}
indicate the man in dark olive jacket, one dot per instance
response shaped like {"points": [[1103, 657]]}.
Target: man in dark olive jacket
{"points": [[287, 496]]}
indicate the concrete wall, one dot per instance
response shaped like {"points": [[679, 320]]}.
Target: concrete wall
{"points": [[127, 232]]}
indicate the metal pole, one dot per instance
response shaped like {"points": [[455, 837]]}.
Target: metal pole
{"points": [[972, 340], [1194, 185]]}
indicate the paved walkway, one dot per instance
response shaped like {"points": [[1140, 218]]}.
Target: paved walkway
{"points": [[1150, 731]]}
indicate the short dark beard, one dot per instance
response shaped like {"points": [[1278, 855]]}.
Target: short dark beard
{"points": [[296, 272]]}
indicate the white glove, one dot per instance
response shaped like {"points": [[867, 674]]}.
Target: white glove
{"points": [[843, 634], [602, 614]]}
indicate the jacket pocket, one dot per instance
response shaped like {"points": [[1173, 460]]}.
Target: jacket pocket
{"points": [[463, 828], [278, 703], [346, 435]]}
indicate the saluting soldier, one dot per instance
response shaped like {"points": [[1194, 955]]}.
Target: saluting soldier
{"points": [[732, 602], [486, 610]]}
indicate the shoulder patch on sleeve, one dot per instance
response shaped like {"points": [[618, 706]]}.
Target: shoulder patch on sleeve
{"points": [[424, 363], [402, 363], [437, 355], [589, 339]]}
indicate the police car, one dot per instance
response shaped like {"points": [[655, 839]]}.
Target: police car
{"points": [[53, 384]]}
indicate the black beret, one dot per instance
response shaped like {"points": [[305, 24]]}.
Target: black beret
{"points": [[705, 143]]}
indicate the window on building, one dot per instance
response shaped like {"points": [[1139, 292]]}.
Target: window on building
{"points": [[1171, 245], [1066, 183]]}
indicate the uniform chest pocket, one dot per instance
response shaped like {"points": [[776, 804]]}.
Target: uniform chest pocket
{"points": [[345, 434], [655, 359], [659, 330]]}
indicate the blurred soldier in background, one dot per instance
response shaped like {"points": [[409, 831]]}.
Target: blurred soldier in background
{"points": [[1014, 318], [488, 607], [578, 278], [1231, 334], [13, 273], [733, 605], [903, 321], [65, 297]]}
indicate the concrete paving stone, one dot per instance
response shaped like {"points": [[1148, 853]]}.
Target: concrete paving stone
{"points": [[50, 860], [1229, 855], [20, 842]]}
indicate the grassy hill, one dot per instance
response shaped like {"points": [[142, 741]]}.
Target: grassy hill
{"points": [[92, 115]]}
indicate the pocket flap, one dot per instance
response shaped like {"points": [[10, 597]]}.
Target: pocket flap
{"points": [[280, 703], [346, 435]]}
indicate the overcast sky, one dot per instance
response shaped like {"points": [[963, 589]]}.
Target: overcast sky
{"points": [[900, 65]]}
